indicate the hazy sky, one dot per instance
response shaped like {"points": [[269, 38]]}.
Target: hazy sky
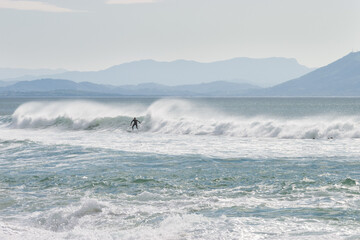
{"points": [[95, 34]]}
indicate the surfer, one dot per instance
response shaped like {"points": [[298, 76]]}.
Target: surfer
{"points": [[134, 123]]}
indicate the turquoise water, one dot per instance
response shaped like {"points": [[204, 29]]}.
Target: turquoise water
{"points": [[242, 168]]}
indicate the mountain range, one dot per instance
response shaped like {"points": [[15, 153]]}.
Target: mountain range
{"points": [[340, 78], [11, 74], [261, 72], [60, 87]]}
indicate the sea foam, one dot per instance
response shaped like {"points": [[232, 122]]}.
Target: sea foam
{"points": [[171, 116]]}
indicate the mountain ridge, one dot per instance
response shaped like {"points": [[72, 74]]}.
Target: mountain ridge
{"points": [[339, 78], [261, 72], [58, 87]]}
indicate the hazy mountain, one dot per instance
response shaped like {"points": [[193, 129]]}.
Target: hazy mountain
{"points": [[219, 88], [260, 72], [57, 87], [340, 78], [50, 85], [10, 73], [6, 83]]}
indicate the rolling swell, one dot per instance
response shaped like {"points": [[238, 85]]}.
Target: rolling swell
{"points": [[168, 116]]}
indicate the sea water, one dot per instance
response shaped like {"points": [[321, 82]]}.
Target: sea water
{"points": [[197, 168]]}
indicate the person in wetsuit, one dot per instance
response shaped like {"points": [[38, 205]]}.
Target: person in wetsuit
{"points": [[134, 123]]}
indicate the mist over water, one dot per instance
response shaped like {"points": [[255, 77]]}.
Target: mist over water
{"points": [[196, 169]]}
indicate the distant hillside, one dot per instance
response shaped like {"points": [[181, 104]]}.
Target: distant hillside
{"points": [[46, 85], [219, 88], [340, 78], [6, 83], [261, 72], [10, 73], [58, 87]]}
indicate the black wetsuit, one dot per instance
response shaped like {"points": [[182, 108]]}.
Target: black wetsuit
{"points": [[134, 123]]}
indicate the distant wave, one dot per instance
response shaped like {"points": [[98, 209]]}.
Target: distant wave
{"points": [[168, 116]]}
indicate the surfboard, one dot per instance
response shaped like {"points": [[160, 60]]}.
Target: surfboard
{"points": [[132, 131]]}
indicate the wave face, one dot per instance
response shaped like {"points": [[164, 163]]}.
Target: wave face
{"points": [[169, 116], [73, 115]]}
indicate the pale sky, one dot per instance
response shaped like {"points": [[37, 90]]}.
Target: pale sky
{"points": [[96, 34]]}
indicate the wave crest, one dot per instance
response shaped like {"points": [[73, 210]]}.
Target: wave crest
{"points": [[73, 115], [168, 116]]}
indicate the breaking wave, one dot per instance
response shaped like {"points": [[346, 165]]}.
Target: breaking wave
{"points": [[169, 116]]}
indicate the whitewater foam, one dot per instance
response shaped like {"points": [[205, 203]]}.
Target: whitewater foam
{"points": [[169, 116], [102, 221], [72, 114]]}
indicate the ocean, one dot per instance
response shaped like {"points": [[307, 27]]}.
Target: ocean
{"points": [[197, 168]]}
